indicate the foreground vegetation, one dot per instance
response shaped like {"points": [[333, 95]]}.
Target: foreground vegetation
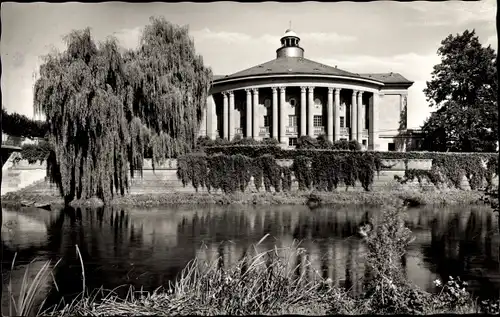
{"points": [[392, 194], [270, 283]]}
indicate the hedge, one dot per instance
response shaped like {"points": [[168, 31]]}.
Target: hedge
{"points": [[232, 173], [289, 154], [35, 152], [325, 169], [450, 169]]}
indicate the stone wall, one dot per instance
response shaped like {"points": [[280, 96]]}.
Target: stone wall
{"points": [[16, 176], [164, 179]]}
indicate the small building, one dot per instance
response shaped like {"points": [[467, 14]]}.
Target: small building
{"points": [[291, 96]]}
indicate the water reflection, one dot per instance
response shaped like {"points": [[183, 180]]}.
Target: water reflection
{"points": [[148, 248]]}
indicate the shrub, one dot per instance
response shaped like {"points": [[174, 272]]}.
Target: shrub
{"points": [[302, 172], [271, 172], [341, 145], [286, 178], [36, 152], [450, 169], [220, 174], [203, 141], [306, 142], [192, 169], [325, 169], [242, 166], [323, 142]]}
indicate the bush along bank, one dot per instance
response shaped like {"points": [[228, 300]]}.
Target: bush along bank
{"points": [[325, 170], [268, 283], [231, 173], [450, 170]]}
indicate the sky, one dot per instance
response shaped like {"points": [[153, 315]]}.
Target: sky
{"points": [[377, 37]]}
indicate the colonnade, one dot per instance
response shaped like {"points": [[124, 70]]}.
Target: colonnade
{"points": [[278, 126]]}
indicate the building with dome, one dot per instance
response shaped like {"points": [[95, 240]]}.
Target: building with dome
{"points": [[291, 96]]}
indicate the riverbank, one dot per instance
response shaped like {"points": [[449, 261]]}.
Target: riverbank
{"points": [[394, 197]]}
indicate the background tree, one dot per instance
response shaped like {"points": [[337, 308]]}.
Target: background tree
{"points": [[169, 85], [106, 109], [463, 90], [18, 125]]}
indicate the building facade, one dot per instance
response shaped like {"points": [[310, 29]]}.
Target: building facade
{"points": [[291, 96]]}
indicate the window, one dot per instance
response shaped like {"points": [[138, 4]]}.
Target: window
{"points": [[266, 121], [342, 122], [293, 102], [343, 139], [363, 142], [317, 103], [267, 103], [391, 146], [292, 142], [318, 121], [292, 121]]}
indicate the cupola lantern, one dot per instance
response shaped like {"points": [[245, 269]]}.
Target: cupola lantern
{"points": [[289, 45]]}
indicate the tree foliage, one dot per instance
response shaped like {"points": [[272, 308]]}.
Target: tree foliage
{"points": [[106, 108], [18, 125], [463, 90]]}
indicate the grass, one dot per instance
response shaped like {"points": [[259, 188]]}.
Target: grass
{"points": [[386, 196], [23, 304], [259, 283]]}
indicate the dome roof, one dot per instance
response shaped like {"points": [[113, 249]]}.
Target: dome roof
{"points": [[289, 33], [291, 65]]}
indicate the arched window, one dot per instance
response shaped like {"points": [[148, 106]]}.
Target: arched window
{"points": [[267, 103]]}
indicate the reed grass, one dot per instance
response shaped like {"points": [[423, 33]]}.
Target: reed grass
{"points": [[259, 283], [25, 302]]}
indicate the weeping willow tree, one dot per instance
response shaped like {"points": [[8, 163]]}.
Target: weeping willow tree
{"points": [[170, 85], [106, 109]]}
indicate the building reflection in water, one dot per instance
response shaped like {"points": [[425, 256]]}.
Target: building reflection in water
{"points": [[148, 248]]}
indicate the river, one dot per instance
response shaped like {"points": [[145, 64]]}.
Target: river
{"points": [[148, 247]]}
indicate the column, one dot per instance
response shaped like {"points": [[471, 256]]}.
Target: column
{"points": [[282, 113], [225, 116], [337, 114], [210, 116], [275, 113], [360, 116], [303, 112], [256, 113], [329, 115], [373, 122], [248, 117], [403, 110], [354, 119], [232, 128], [205, 121], [403, 121], [310, 105]]}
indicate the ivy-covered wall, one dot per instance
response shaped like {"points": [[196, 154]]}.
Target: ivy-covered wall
{"points": [[232, 167], [327, 170]]}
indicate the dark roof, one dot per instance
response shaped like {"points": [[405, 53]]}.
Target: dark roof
{"points": [[291, 65], [388, 78]]}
